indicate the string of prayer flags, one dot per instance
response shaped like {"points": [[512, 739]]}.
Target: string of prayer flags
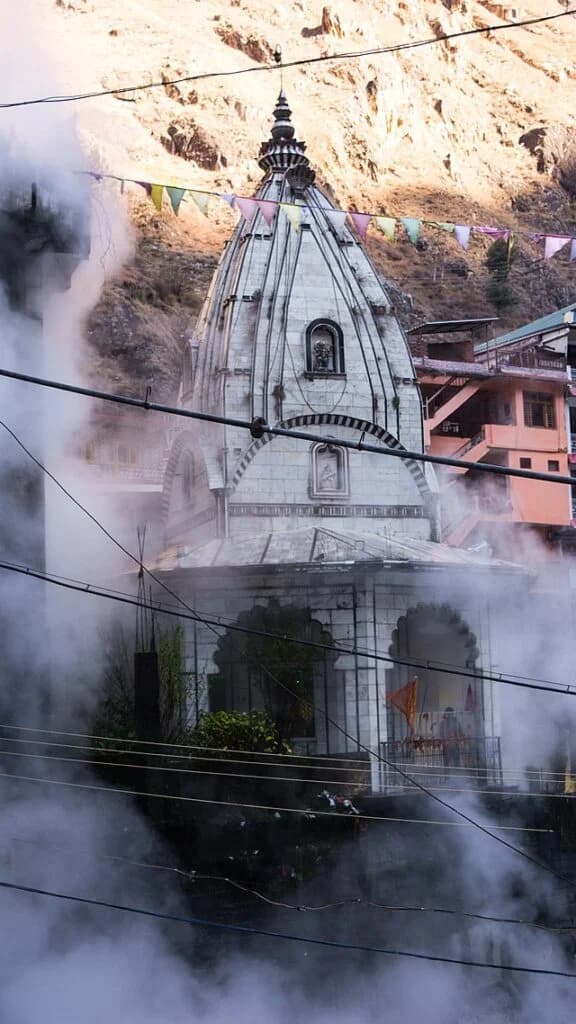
{"points": [[462, 234], [156, 195], [293, 213], [248, 207], [175, 195], [387, 225], [360, 222], [553, 244], [201, 199], [412, 227], [267, 209]]}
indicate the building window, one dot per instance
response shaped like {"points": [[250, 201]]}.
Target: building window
{"points": [[324, 348], [525, 463], [539, 409], [187, 477], [329, 477], [553, 466]]}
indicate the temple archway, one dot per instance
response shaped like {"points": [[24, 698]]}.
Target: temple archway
{"points": [[258, 672], [434, 636]]}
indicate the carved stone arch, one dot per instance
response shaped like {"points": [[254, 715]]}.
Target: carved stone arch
{"points": [[185, 442], [340, 420], [436, 637]]}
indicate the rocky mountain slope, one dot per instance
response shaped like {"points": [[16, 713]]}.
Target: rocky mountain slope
{"points": [[432, 132]]}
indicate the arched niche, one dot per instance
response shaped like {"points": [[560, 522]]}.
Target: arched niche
{"points": [[435, 634], [262, 673]]}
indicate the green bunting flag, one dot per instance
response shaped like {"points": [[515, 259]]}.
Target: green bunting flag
{"points": [[412, 227], [175, 196], [201, 199]]}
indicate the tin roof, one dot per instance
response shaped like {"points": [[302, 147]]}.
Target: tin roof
{"points": [[545, 323]]}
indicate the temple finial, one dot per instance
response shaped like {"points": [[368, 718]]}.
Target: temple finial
{"points": [[283, 152]]}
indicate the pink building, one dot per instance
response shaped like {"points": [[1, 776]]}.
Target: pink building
{"points": [[506, 401]]}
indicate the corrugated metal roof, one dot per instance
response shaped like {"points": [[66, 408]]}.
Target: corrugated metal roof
{"points": [[451, 326], [319, 546], [545, 323]]}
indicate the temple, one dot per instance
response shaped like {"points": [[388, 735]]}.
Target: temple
{"points": [[311, 540]]}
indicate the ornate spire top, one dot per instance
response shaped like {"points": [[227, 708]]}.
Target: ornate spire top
{"points": [[282, 152]]}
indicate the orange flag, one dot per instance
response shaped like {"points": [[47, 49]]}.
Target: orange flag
{"points": [[404, 700]]}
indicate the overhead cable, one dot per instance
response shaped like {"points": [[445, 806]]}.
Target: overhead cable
{"points": [[258, 428], [266, 933], [302, 62], [296, 696], [89, 589], [194, 876], [302, 811]]}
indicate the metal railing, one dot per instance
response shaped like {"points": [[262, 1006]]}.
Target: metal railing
{"points": [[466, 763], [468, 445]]}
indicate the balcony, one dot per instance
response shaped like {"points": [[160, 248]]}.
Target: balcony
{"points": [[463, 764]]}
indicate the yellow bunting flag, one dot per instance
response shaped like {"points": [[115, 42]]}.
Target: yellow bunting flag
{"points": [[387, 225], [156, 194], [293, 213], [201, 199]]}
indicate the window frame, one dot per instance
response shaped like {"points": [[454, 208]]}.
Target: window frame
{"points": [[339, 361], [544, 399]]}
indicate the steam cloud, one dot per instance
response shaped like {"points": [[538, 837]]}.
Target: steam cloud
{"points": [[60, 963]]}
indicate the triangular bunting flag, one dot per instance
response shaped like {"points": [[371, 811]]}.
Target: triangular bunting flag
{"points": [[360, 222], [156, 194], [267, 209], [145, 185], [201, 199], [553, 244], [175, 196], [494, 233], [412, 228], [462, 234], [337, 219], [444, 225], [387, 225], [573, 250], [228, 197], [293, 213], [247, 208]]}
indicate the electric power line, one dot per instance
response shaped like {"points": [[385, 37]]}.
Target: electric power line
{"points": [[258, 428], [436, 772], [314, 707], [246, 930], [195, 876], [305, 61], [302, 811], [89, 589]]}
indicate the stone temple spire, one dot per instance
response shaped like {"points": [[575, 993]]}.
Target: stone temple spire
{"points": [[282, 152]]}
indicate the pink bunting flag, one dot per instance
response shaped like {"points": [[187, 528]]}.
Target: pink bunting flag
{"points": [[462, 234], [553, 244], [494, 233], [360, 222], [267, 209], [247, 207], [573, 250], [337, 219]]}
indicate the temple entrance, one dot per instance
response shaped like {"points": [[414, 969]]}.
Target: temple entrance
{"points": [[435, 716], [283, 678]]}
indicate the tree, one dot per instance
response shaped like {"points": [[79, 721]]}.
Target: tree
{"points": [[239, 730], [499, 260]]}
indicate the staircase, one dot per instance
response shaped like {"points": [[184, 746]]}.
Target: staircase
{"points": [[472, 451], [448, 399]]}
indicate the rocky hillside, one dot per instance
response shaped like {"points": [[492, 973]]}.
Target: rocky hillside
{"points": [[433, 132]]}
